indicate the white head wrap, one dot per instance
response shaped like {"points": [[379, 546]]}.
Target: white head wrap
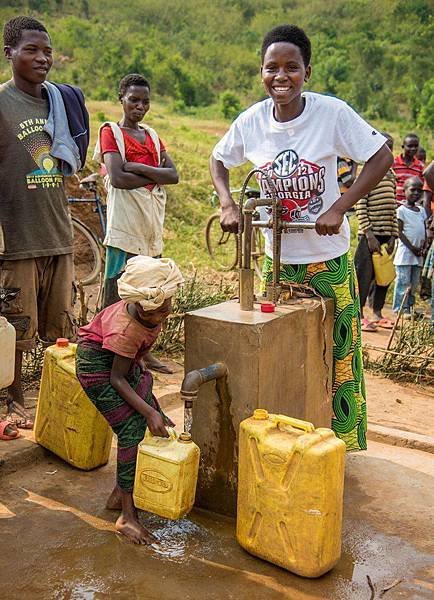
{"points": [[149, 281]]}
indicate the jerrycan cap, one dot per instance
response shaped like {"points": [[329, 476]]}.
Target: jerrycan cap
{"points": [[184, 438], [260, 414], [62, 342]]}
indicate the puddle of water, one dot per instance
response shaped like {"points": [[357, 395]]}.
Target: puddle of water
{"points": [[83, 589], [179, 540]]}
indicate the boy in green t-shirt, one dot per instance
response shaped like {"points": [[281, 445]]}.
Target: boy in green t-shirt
{"points": [[36, 261]]}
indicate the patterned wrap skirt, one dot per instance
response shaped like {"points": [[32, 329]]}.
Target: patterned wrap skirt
{"points": [[93, 365], [336, 279]]}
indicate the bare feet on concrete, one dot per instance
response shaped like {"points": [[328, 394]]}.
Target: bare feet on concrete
{"points": [[129, 526], [128, 523]]}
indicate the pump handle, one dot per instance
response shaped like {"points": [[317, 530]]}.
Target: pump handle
{"points": [[297, 423]]}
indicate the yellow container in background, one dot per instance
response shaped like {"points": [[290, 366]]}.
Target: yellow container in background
{"points": [[166, 474], [383, 267], [67, 423], [290, 493]]}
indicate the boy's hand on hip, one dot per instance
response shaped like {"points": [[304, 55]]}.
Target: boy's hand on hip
{"points": [[156, 424], [329, 222]]}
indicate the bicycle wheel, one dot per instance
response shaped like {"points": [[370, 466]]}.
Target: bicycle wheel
{"points": [[258, 251], [87, 254], [221, 245]]}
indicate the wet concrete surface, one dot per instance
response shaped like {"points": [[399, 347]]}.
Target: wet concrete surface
{"points": [[58, 540]]}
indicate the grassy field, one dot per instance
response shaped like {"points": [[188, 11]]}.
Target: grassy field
{"points": [[189, 140]]}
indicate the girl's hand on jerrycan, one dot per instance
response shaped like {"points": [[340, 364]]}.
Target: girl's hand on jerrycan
{"points": [[156, 424]]}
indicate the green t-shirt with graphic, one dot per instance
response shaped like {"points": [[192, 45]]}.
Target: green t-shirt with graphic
{"points": [[34, 213]]}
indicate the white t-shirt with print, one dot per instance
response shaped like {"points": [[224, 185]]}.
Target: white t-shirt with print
{"points": [[414, 231], [300, 156]]}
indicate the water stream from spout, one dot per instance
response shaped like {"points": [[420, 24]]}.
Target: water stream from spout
{"points": [[188, 419]]}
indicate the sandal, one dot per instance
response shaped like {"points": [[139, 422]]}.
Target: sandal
{"points": [[384, 323], [4, 425], [17, 416], [368, 325]]}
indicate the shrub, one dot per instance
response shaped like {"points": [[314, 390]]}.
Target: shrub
{"points": [[425, 117], [230, 105]]}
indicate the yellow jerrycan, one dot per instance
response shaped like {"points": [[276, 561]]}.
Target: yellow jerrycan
{"points": [[383, 267], [67, 423], [290, 493], [166, 474]]}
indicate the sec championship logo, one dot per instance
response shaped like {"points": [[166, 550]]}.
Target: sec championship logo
{"points": [[285, 163]]}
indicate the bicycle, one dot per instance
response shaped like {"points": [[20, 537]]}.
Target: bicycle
{"points": [[88, 248], [222, 246]]}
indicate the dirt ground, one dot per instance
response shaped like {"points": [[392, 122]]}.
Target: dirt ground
{"points": [[403, 406]]}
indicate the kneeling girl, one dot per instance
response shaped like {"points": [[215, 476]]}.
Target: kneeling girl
{"points": [[111, 370]]}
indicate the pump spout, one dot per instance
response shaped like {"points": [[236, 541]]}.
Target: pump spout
{"points": [[191, 384]]}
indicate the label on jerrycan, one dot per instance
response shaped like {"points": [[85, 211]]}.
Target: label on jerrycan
{"points": [[155, 481]]}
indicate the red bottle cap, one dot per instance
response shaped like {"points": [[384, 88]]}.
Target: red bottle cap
{"points": [[268, 307], [62, 342]]}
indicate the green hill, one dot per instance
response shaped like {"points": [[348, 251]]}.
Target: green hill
{"points": [[377, 55]]}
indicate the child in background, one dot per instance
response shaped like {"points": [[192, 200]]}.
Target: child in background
{"points": [[110, 367], [406, 165], [428, 269], [376, 213], [421, 155], [347, 173], [411, 246]]}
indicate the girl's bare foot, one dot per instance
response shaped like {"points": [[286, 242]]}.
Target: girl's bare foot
{"points": [[129, 526], [114, 501], [128, 523]]}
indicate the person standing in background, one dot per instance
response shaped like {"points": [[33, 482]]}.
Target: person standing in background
{"points": [[376, 213], [138, 166], [421, 155], [406, 165], [347, 172], [411, 246]]}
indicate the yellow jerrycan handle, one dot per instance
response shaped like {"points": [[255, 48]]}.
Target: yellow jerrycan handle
{"points": [[171, 431], [297, 423]]}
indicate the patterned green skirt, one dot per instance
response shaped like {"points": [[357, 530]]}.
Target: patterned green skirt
{"points": [[336, 279], [93, 367]]}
